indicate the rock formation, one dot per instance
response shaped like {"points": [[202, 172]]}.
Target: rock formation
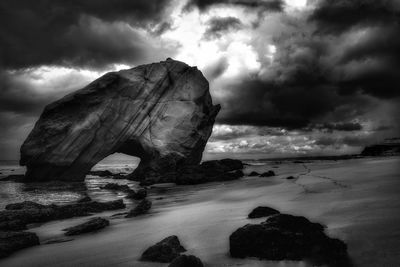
{"points": [[161, 113]]}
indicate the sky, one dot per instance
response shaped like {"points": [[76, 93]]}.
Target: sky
{"points": [[293, 77]]}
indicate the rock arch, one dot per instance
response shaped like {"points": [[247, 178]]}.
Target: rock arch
{"points": [[160, 112]]}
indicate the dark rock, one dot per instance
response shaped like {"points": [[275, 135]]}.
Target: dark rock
{"points": [[43, 213], [290, 178], [105, 173], [389, 147], [164, 251], [262, 212], [142, 208], [186, 261], [287, 237], [137, 195], [268, 174], [254, 174], [160, 112], [120, 176], [117, 187], [12, 225], [14, 241], [89, 226], [24, 205]]}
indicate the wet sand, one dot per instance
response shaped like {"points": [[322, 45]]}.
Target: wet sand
{"points": [[358, 199]]}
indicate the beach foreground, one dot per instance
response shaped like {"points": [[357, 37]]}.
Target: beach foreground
{"points": [[358, 200]]}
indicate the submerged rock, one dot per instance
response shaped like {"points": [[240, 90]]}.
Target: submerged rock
{"points": [[137, 195], [92, 225], [290, 178], [267, 174], [143, 207], [253, 173], [186, 261], [14, 241], [287, 237], [160, 112], [25, 213], [164, 251], [260, 212]]}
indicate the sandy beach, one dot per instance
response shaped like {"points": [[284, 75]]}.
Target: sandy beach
{"points": [[357, 199]]}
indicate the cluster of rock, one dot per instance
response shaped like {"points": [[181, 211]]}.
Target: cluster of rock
{"points": [[287, 237], [169, 250], [389, 147], [17, 216], [208, 171]]}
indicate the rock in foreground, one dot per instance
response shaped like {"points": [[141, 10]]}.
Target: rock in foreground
{"points": [[92, 225], [260, 212], [164, 251], [186, 261], [142, 208], [13, 241], [287, 237], [30, 212], [161, 113]]}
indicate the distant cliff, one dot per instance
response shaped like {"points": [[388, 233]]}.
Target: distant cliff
{"points": [[389, 147]]}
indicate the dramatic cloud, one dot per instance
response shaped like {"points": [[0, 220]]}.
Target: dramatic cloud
{"points": [[269, 5], [293, 77], [219, 26], [83, 33]]}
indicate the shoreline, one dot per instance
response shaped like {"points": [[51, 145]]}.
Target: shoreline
{"points": [[338, 194]]}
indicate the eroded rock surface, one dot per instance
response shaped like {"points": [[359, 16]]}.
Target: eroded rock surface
{"points": [[92, 225], [164, 251], [161, 113], [288, 237], [14, 241]]}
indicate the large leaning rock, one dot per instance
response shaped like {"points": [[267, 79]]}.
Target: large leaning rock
{"points": [[161, 113]]}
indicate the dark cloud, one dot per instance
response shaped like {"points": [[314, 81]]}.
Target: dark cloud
{"points": [[218, 26], [74, 32], [339, 126], [271, 5], [340, 15]]}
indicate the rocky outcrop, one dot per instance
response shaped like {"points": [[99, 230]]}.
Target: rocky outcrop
{"points": [[17, 216], [287, 237], [261, 211], [142, 208], [164, 251], [208, 171], [92, 225], [389, 147], [186, 261], [161, 113], [14, 241]]}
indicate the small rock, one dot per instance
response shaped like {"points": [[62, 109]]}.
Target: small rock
{"points": [[89, 226], [262, 212], [254, 174], [137, 195], [141, 208], [267, 174], [186, 261], [290, 178], [13, 241], [164, 251], [119, 187]]}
